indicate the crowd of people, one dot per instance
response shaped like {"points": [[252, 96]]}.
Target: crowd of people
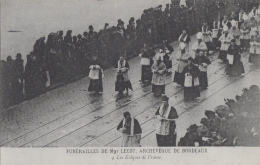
{"points": [[60, 58], [234, 124], [226, 124]]}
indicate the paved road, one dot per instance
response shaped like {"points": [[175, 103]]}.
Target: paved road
{"points": [[70, 116]]}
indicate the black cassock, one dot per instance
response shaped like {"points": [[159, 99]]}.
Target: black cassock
{"points": [[237, 68], [122, 80], [147, 74], [193, 91], [203, 78]]}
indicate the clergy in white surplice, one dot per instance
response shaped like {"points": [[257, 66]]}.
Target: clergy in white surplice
{"points": [[166, 127], [159, 76], [245, 34], [131, 131], [206, 35], [95, 74], [255, 49], [225, 40], [199, 45], [182, 58]]}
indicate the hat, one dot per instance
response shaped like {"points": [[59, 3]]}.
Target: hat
{"points": [[254, 88], [225, 28], [69, 31], [204, 121], [190, 59], [199, 35], [192, 128], [209, 112], [182, 46], [126, 113], [165, 98], [222, 108]]}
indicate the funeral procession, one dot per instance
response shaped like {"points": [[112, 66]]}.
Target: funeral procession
{"points": [[164, 73]]}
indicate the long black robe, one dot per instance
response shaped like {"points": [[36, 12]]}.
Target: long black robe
{"points": [[237, 68], [191, 92], [122, 82], [168, 140], [203, 78], [96, 85], [146, 75]]}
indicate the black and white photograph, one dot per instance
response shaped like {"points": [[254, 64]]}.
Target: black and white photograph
{"points": [[130, 73]]}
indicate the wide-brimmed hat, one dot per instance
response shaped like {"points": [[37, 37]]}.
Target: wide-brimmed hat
{"points": [[209, 113]]}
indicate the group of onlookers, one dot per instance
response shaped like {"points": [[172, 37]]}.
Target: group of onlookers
{"points": [[233, 124]]}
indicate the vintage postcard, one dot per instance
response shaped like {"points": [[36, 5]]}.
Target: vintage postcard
{"points": [[129, 82]]}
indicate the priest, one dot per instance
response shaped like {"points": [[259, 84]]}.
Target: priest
{"points": [[131, 131], [182, 58], [191, 81], [202, 62], [159, 76], [146, 61], [123, 82], [166, 127], [199, 45], [95, 74]]}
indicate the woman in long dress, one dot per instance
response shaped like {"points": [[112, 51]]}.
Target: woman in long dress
{"points": [[159, 76], [235, 66], [95, 74], [191, 81], [122, 82], [182, 58]]}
